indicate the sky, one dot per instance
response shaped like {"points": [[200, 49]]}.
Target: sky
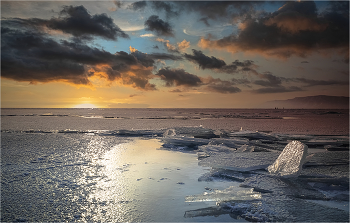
{"points": [[171, 54]]}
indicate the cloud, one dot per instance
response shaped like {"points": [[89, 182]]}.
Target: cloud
{"points": [[206, 62], [221, 86], [77, 21], [175, 91], [166, 7], [118, 5], [181, 46], [280, 89], [164, 56], [155, 24], [205, 21], [33, 56], [311, 82], [138, 5], [220, 10], [295, 29], [178, 77], [147, 35], [132, 49], [170, 47], [294, 18], [271, 80]]}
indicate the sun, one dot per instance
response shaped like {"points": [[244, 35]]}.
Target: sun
{"points": [[85, 106]]}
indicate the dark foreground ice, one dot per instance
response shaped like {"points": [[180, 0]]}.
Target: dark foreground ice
{"points": [[179, 174]]}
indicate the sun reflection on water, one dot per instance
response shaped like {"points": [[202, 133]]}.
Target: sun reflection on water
{"points": [[112, 190]]}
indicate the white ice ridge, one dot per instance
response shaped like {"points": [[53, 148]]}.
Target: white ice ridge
{"points": [[290, 161]]}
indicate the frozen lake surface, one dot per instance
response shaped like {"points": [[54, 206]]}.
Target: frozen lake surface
{"points": [[170, 165]]}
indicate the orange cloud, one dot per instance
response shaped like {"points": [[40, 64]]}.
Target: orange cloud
{"points": [[295, 29]]}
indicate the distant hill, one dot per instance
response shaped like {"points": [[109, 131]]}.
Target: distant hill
{"points": [[311, 102]]}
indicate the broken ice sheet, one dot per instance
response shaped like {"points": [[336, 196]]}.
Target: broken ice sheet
{"points": [[195, 132], [231, 193], [272, 208], [222, 174], [240, 161], [185, 142], [283, 186]]}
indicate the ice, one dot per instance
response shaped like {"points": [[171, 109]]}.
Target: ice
{"points": [[289, 162], [231, 193], [184, 142], [242, 162], [132, 133], [222, 174], [327, 165], [271, 208], [252, 135], [169, 132], [245, 148], [196, 132], [283, 209], [231, 142], [210, 149], [297, 188]]}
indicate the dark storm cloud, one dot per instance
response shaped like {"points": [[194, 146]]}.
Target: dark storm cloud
{"points": [[270, 80], [138, 5], [76, 21], [215, 10], [295, 29], [178, 77], [23, 58], [206, 62], [155, 24], [238, 66], [227, 10], [164, 56], [221, 86], [280, 89], [35, 57], [242, 81]]}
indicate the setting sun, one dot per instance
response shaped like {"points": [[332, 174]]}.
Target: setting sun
{"points": [[85, 106]]}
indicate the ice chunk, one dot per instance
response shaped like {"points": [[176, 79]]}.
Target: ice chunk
{"points": [[231, 193], [245, 148], [290, 161], [169, 132], [196, 132]]}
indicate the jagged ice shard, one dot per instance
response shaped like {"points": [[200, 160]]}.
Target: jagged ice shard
{"points": [[290, 161]]}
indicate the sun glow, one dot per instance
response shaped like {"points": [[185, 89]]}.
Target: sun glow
{"points": [[85, 106]]}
